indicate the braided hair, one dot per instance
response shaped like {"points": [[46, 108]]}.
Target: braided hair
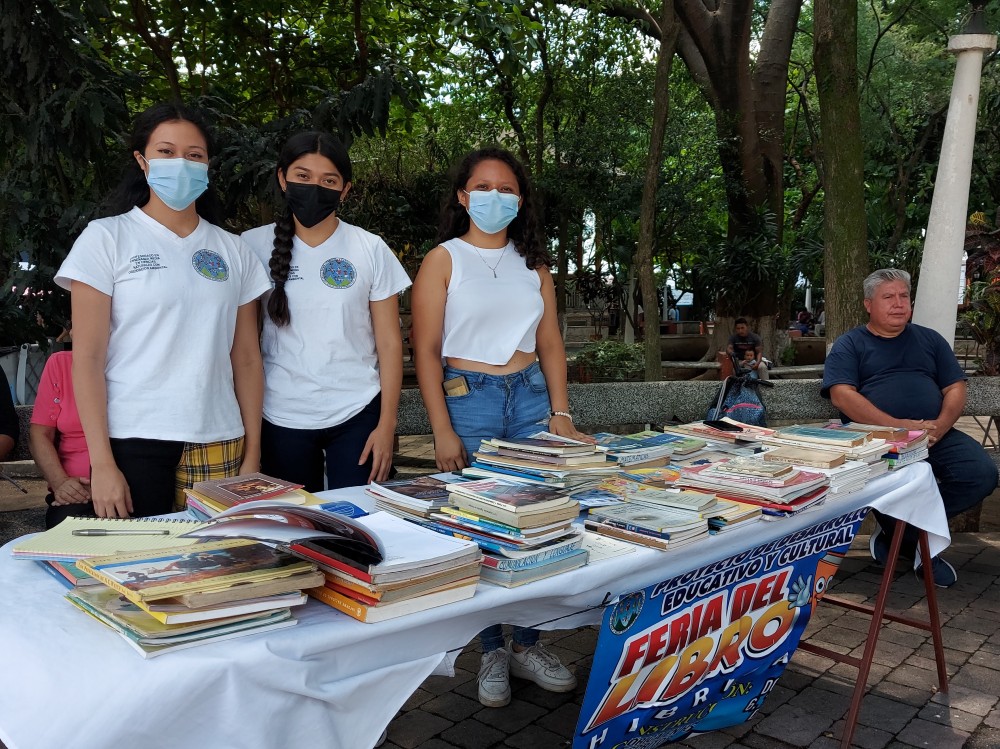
{"points": [[522, 231], [284, 227]]}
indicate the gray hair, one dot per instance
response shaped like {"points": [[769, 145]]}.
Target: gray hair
{"points": [[884, 275]]}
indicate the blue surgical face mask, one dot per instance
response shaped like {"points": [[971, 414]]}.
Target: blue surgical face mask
{"points": [[177, 182], [492, 211]]}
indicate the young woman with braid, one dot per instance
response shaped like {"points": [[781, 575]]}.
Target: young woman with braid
{"points": [[333, 353], [485, 303]]}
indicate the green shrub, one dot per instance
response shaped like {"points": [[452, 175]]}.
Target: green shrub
{"points": [[612, 360]]}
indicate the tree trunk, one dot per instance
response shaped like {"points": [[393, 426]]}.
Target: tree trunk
{"points": [[845, 226], [647, 209], [562, 264]]}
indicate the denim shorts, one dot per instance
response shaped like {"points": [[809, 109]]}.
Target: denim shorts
{"points": [[511, 405]]}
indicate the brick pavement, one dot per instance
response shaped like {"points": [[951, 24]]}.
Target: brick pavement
{"points": [[807, 707]]}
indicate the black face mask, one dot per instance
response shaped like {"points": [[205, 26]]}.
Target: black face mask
{"points": [[311, 204]]}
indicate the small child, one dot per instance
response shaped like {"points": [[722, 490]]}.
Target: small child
{"points": [[747, 365]]}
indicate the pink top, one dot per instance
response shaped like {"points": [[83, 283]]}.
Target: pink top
{"points": [[55, 406]]}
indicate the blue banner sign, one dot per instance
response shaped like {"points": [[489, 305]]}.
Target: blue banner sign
{"points": [[700, 651]]}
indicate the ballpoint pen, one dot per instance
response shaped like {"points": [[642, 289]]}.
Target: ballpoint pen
{"points": [[116, 532]]}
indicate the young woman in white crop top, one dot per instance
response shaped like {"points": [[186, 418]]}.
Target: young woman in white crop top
{"points": [[333, 353], [166, 365], [484, 302]]}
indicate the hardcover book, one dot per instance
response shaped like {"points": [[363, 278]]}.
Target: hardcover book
{"points": [[423, 488], [247, 488]]}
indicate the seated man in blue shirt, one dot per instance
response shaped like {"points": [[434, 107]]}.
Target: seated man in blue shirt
{"points": [[894, 373]]}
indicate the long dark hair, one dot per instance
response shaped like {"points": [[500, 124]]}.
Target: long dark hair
{"points": [[295, 148], [522, 231], [133, 190]]}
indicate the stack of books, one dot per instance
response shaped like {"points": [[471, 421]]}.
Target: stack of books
{"points": [[509, 520], [511, 571], [206, 499], [719, 513], [419, 570], [902, 446], [728, 514], [781, 495], [542, 458], [657, 528], [647, 448], [824, 441], [411, 498], [733, 431], [167, 599], [905, 450]]}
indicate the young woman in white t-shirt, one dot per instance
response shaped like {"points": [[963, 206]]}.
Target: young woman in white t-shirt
{"points": [[166, 365], [333, 353], [484, 302]]}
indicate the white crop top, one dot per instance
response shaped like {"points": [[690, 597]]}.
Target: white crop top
{"points": [[487, 318]]}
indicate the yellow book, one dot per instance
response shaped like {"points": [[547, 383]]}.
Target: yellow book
{"points": [[165, 573], [79, 538]]}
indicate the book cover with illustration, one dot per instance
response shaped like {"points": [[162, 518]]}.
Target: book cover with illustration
{"points": [[247, 488], [511, 495], [158, 573]]}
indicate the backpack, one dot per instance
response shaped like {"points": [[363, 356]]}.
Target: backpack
{"points": [[738, 399]]}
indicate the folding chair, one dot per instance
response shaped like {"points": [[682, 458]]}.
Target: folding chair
{"points": [[878, 615]]}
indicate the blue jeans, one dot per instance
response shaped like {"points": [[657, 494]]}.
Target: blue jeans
{"points": [[512, 405], [966, 475], [299, 455]]}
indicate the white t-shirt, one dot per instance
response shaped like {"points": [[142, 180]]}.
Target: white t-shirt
{"points": [[322, 368], [489, 315], [173, 319]]}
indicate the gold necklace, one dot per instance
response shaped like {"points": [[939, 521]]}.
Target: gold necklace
{"points": [[497, 264]]}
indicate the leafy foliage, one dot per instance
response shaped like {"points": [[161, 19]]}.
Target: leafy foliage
{"points": [[612, 360], [982, 319]]}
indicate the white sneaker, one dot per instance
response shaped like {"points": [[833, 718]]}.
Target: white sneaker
{"points": [[494, 679], [542, 667]]}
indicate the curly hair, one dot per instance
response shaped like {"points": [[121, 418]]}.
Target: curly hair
{"points": [[295, 148], [133, 190], [522, 231]]}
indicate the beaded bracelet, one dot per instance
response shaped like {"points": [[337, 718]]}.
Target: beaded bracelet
{"points": [[567, 414]]}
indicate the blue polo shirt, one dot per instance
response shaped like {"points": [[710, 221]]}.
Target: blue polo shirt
{"points": [[903, 376]]}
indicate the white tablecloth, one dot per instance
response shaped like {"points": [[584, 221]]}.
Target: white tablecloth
{"points": [[330, 681]]}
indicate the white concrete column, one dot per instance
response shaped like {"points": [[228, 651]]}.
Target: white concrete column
{"points": [[943, 246]]}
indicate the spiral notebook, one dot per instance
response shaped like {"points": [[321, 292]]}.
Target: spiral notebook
{"points": [[59, 543]]}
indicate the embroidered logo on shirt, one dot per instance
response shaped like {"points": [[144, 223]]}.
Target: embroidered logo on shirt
{"points": [[150, 261], [210, 265], [338, 273]]}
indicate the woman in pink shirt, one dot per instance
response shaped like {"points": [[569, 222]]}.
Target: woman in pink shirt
{"points": [[57, 442]]}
